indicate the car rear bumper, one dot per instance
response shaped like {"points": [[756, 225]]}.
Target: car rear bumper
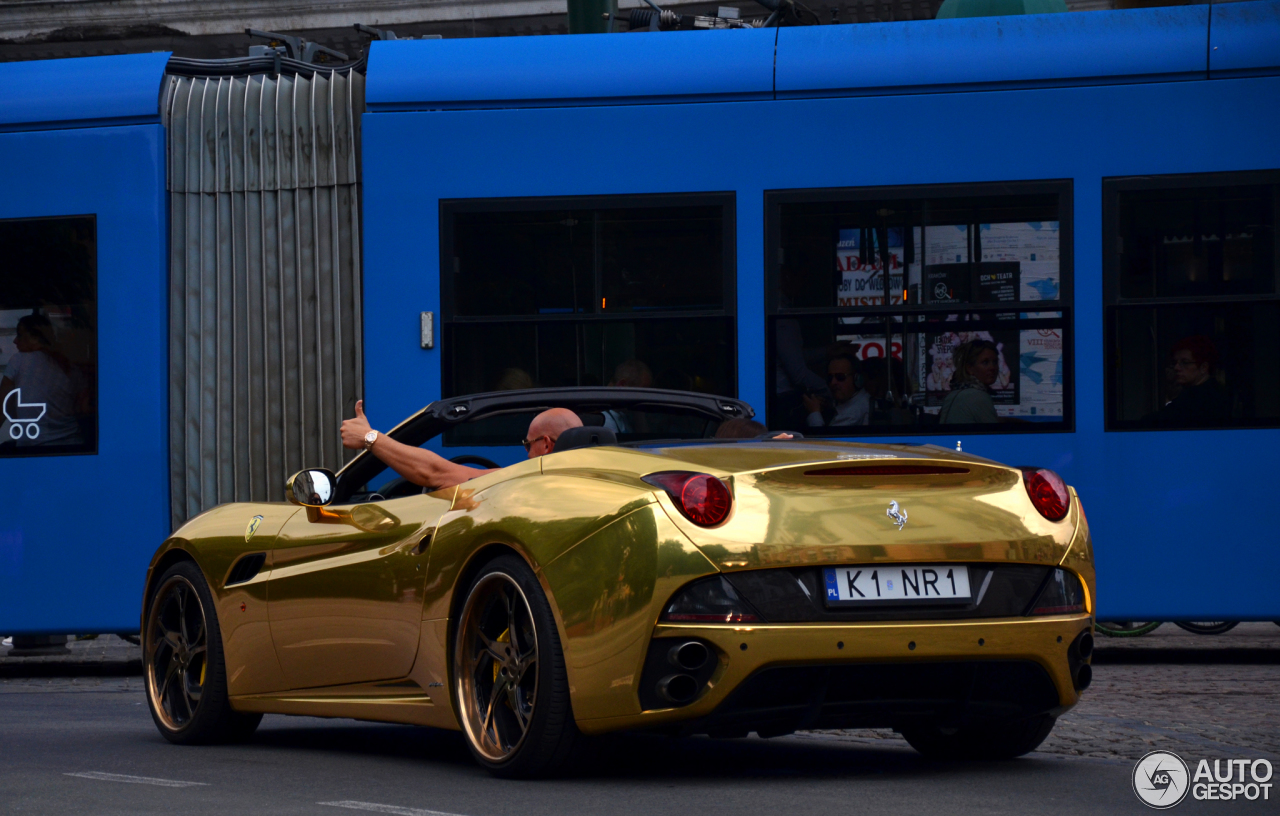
{"points": [[867, 674]]}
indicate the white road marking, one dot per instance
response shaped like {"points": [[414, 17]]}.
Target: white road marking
{"points": [[377, 808], [137, 780]]}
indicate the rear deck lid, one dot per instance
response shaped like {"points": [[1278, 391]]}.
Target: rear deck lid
{"points": [[863, 504]]}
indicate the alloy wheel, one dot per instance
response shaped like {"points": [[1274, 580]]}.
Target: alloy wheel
{"points": [[497, 667], [176, 652]]}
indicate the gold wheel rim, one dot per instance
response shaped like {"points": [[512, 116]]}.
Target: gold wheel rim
{"points": [[497, 667], [176, 653]]}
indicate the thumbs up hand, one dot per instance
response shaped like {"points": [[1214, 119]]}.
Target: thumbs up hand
{"points": [[354, 429]]}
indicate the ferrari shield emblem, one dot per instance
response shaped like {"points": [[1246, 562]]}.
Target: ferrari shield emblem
{"points": [[252, 528]]}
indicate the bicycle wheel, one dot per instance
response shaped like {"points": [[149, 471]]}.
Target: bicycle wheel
{"points": [[1126, 628], [1207, 627]]}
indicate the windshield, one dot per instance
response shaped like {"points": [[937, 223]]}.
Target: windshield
{"points": [[485, 430]]}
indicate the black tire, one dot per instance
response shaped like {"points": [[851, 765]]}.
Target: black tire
{"points": [[1127, 628], [1000, 740], [1207, 627], [514, 709], [182, 663]]}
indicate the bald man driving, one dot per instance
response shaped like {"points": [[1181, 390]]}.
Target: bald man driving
{"points": [[433, 471]]}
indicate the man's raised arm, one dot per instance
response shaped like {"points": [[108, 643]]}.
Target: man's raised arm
{"points": [[418, 465]]}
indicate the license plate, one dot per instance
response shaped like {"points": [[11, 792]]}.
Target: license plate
{"points": [[914, 584]]}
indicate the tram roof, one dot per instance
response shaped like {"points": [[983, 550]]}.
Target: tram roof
{"points": [[980, 53], [80, 92]]}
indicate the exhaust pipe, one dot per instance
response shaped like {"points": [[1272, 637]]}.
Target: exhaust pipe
{"points": [[1085, 646], [677, 688], [690, 655], [1084, 676]]}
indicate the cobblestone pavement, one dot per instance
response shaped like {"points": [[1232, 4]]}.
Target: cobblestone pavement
{"points": [[105, 663], [1198, 709]]}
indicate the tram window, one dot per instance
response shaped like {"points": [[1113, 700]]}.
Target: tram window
{"points": [[1193, 306], [686, 354], [48, 336], [968, 328], [627, 290], [661, 259]]}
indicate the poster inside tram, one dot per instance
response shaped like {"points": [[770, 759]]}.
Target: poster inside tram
{"points": [[1014, 263]]}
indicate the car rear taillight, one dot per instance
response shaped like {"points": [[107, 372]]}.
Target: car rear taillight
{"points": [[1048, 492], [702, 498]]}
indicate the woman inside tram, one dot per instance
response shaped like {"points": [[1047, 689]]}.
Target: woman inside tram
{"points": [[977, 365], [43, 377]]}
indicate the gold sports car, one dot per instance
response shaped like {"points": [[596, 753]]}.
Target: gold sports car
{"points": [[642, 576]]}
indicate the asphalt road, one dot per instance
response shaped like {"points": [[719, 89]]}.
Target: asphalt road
{"points": [[64, 752]]}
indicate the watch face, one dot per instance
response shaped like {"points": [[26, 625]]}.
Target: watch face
{"points": [[370, 438]]}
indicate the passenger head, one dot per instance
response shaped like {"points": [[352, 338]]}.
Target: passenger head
{"points": [[633, 374], [976, 361], [34, 332], [1193, 359], [740, 428], [546, 428], [842, 377]]}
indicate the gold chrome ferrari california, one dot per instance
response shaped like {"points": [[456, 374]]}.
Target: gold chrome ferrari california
{"points": [[642, 576]]}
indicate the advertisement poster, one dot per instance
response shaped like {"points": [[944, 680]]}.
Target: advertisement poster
{"points": [[946, 244], [862, 284], [1034, 246], [946, 283], [1040, 365], [998, 281]]}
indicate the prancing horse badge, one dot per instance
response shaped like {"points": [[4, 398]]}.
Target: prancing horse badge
{"points": [[896, 513], [252, 528]]}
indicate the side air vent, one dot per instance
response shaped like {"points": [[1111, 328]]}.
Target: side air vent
{"points": [[246, 568]]}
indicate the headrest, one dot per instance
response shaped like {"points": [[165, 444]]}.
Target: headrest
{"points": [[585, 437]]}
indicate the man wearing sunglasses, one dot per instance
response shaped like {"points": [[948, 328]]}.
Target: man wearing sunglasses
{"points": [[852, 402], [433, 471]]}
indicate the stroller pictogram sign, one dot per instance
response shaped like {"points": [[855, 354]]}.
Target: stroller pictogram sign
{"points": [[25, 416]]}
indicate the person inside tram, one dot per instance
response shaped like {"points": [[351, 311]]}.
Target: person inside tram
{"points": [[628, 374], [977, 365], [1200, 399], [45, 378], [850, 402], [793, 379], [431, 470]]}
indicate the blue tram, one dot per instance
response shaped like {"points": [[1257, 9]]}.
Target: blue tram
{"points": [[1046, 239]]}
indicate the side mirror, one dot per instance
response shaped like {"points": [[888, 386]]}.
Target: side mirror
{"points": [[311, 488]]}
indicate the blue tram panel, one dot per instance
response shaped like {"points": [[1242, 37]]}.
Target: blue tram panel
{"points": [[83, 508], [1078, 97]]}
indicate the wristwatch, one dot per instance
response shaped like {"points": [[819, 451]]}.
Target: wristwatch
{"points": [[369, 439]]}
